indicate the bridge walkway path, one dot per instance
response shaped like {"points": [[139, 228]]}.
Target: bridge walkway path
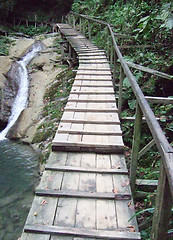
{"points": [[84, 192]]}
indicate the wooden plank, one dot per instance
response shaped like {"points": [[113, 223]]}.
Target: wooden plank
{"points": [[91, 85], [88, 160], [94, 77], [66, 212], [92, 61], [70, 182], [84, 132], [81, 121], [60, 238], [63, 26], [118, 161], [104, 181], [147, 182], [75, 194], [106, 215], [74, 159], [162, 100], [50, 180], [42, 212], [93, 89], [91, 100], [86, 147], [81, 232], [90, 110], [95, 93], [58, 158], [89, 116], [125, 210], [34, 236], [85, 217], [89, 170]]}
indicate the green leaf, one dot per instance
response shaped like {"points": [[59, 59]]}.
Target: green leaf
{"points": [[132, 104], [150, 210], [169, 23], [126, 82], [144, 19]]}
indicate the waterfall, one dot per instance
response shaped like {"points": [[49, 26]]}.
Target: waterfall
{"points": [[21, 99]]}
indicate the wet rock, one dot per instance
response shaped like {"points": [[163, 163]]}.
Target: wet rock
{"points": [[11, 86], [10, 91]]}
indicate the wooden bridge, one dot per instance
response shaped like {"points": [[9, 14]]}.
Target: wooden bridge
{"points": [[84, 192]]}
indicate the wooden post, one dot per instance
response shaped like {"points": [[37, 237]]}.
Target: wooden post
{"points": [[74, 21], [108, 44], [80, 24], [70, 50], [135, 147], [69, 22], [163, 205], [115, 66], [122, 76], [35, 21], [112, 53], [89, 30]]}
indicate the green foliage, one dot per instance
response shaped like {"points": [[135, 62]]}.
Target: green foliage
{"points": [[31, 30], [5, 43], [20, 8]]}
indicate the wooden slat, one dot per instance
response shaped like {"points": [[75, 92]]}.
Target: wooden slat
{"points": [[86, 78], [91, 100], [76, 194], [86, 170], [89, 121], [63, 26], [84, 132], [90, 110], [82, 232], [62, 145], [96, 93]]}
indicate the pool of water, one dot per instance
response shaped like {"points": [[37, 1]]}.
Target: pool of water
{"points": [[18, 178]]}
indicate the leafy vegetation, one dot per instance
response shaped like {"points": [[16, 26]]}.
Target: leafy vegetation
{"points": [[10, 9], [5, 43], [32, 30]]}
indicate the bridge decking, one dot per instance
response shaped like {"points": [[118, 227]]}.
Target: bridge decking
{"points": [[84, 192]]}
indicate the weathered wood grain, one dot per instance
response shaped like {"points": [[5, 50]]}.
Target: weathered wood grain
{"points": [[86, 170], [78, 194], [82, 232]]}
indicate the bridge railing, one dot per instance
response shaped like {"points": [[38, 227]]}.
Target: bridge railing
{"points": [[164, 195]]}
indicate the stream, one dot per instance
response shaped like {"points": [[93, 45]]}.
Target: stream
{"points": [[18, 162], [18, 178]]}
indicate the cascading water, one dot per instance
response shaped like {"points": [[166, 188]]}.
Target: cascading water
{"points": [[20, 102]]}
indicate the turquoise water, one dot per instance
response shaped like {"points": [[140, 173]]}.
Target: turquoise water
{"points": [[18, 178]]}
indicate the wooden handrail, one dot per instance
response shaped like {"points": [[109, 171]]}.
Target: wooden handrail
{"points": [[149, 70]]}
